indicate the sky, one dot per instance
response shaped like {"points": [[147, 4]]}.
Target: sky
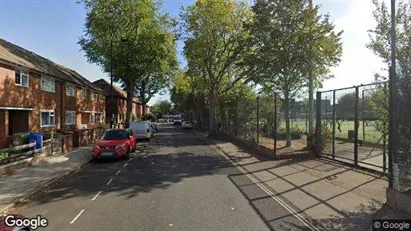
{"points": [[51, 28]]}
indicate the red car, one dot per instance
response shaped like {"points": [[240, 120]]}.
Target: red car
{"points": [[115, 143]]}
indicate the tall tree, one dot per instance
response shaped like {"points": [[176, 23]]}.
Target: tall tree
{"points": [[215, 39], [288, 38], [128, 38], [161, 108], [380, 44]]}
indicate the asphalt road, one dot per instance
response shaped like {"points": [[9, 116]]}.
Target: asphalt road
{"points": [[174, 182]]}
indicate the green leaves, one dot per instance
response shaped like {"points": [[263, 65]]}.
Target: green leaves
{"points": [[288, 39], [215, 40], [142, 39]]}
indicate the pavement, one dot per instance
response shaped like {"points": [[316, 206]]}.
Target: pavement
{"points": [[24, 182], [333, 196], [179, 182]]}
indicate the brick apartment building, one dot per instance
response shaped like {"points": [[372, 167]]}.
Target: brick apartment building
{"points": [[38, 95], [118, 107]]}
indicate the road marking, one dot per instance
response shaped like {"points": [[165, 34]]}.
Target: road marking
{"points": [[125, 165], [170, 225], [109, 181], [96, 196], [232, 208], [78, 215], [118, 172], [271, 194]]}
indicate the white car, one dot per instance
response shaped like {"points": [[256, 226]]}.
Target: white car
{"points": [[142, 130], [187, 124], [177, 121]]}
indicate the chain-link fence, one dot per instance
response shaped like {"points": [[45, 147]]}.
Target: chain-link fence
{"points": [[261, 121], [400, 145], [352, 124]]}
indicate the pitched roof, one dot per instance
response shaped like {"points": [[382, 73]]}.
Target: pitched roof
{"points": [[106, 86], [19, 56]]}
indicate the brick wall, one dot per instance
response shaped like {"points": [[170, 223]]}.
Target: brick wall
{"points": [[3, 129], [12, 95]]}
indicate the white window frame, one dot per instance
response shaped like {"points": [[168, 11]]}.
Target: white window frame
{"points": [[53, 81], [93, 118], [22, 74], [92, 96], [101, 97], [73, 116], [52, 115], [101, 117], [72, 86]]}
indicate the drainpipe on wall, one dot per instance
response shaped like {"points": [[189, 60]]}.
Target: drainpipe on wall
{"points": [[62, 106]]}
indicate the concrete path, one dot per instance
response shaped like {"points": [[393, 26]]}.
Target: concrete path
{"points": [[27, 181], [334, 196]]}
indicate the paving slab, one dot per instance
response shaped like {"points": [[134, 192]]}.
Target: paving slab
{"points": [[337, 196], [24, 182]]}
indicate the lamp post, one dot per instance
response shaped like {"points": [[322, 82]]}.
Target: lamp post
{"points": [[111, 77], [392, 160], [311, 92]]}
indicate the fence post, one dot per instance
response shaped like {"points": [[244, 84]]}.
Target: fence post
{"points": [[258, 119], [52, 143], [356, 125], [363, 115], [275, 124], [384, 157], [318, 132], [333, 141]]}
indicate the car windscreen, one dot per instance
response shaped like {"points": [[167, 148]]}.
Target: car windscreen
{"points": [[115, 135], [138, 126]]}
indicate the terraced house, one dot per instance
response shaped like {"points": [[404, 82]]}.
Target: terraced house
{"points": [[118, 108], [37, 95]]}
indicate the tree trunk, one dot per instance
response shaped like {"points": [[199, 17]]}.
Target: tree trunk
{"points": [[213, 103], [143, 108], [130, 96], [287, 120], [143, 96]]}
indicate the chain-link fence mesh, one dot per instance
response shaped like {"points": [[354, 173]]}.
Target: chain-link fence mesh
{"points": [[352, 125], [260, 120]]}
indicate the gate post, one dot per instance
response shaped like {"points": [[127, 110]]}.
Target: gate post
{"points": [[356, 126], [333, 142], [318, 132]]}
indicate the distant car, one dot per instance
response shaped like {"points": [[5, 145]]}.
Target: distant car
{"points": [[115, 143], [187, 125], [142, 130], [4, 227], [177, 121]]}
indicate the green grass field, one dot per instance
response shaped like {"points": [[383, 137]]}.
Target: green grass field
{"points": [[371, 134]]}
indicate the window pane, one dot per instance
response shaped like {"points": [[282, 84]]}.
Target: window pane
{"points": [[45, 118], [17, 79], [47, 84], [24, 80], [68, 118]]}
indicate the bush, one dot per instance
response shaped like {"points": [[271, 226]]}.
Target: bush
{"points": [[325, 137], [149, 117]]}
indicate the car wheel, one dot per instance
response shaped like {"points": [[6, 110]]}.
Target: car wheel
{"points": [[127, 154]]}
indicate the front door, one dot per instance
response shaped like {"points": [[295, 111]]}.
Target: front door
{"points": [[18, 121]]}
